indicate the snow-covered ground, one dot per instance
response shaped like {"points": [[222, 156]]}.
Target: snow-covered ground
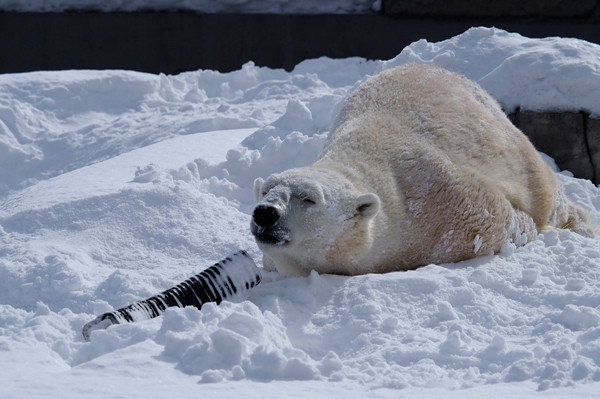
{"points": [[116, 185], [205, 6]]}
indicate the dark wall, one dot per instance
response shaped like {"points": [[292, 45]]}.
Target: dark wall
{"points": [[172, 42], [580, 9]]}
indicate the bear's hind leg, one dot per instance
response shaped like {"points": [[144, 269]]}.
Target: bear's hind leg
{"points": [[567, 215], [466, 216], [521, 228]]}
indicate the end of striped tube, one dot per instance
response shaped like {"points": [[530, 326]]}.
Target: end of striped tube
{"points": [[238, 274], [99, 323]]}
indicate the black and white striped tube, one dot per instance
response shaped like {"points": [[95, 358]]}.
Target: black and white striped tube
{"points": [[228, 278]]}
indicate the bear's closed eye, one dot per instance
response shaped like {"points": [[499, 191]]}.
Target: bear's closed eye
{"points": [[363, 207]]}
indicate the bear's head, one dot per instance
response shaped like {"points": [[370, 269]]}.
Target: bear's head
{"points": [[312, 219]]}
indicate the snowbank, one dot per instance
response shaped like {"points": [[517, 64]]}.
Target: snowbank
{"points": [[551, 74], [115, 185]]}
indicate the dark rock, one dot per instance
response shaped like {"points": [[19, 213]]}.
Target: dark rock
{"points": [[562, 135], [593, 140]]}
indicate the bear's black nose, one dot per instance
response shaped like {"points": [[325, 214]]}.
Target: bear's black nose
{"points": [[265, 215]]}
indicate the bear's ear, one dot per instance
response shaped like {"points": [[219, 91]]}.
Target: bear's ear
{"points": [[258, 182], [367, 205]]}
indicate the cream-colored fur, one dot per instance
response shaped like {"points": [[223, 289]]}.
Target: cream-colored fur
{"points": [[422, 166]]}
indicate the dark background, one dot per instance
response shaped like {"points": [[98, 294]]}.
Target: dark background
{"points": [[173, 42]]}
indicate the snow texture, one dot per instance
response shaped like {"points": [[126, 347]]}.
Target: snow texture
{"points": [[204, 6], [117, 185]]}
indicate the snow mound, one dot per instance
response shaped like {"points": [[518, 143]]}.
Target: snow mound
{"points": [[450, 326], [554, 73]]}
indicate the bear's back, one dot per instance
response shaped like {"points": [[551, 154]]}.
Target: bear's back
{"points": [[417, 108]]}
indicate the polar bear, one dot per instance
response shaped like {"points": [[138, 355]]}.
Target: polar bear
{"points": [[421, 166]]}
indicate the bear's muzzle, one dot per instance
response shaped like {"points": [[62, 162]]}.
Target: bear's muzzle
{"points": [[265, 226], [265, 216]]}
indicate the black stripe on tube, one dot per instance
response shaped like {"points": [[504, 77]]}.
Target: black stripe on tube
{"points": [[201, 289], [232, 285], [209, 276], [208, 287], [155, 304], [229, 285], [186, 295], [193, 287], [214, 271]]}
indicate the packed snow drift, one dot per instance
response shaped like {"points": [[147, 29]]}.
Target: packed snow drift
{"points": [[117, 185]]}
